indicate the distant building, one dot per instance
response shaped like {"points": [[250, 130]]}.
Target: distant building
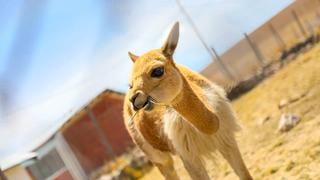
{"points": [[81, 145]]}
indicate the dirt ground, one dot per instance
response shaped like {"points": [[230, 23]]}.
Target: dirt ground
{"points": [[268, 153]]}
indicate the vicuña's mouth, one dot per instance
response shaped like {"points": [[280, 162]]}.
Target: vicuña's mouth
{"points": [[148, 106]]}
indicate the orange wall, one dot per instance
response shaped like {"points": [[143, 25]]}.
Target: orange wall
{"points": [[83, 137]]}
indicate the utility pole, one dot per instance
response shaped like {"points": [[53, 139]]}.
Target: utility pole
{"points": [[197, 32], [218, 58], [256, 51], [277, 36], [296, 18]]}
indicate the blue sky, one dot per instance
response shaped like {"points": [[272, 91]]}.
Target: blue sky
{"points": [[56, 55]]}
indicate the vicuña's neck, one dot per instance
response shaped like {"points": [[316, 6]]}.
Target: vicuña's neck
{"points": [[190, 105]]}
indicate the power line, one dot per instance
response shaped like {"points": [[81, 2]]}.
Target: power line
{"points": [[197, 32]]}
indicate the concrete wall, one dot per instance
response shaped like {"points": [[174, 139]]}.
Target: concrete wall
{"points": [[241, 60]]}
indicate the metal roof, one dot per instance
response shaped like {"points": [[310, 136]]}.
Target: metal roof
{"points": [[16, 159]]}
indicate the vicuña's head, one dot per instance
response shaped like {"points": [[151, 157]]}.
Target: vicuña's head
{"points": [[155, 78]]}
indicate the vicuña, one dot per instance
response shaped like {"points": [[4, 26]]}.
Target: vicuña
{"points": [[172, 110]]}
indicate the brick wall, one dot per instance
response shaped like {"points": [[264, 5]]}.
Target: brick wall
{"points": [[64, 175], [84, 139]]}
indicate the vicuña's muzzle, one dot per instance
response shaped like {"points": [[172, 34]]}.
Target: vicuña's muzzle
{"points": [[139, 100]]}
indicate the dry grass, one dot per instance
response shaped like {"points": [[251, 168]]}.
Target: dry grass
{"points": [[269, 154]]}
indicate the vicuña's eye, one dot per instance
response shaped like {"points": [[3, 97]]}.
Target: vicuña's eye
{"points": [[157, 72], [130, 86]]}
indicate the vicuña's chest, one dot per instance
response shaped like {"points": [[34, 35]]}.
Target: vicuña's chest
{"points": [[184, 137], [150, 126]]}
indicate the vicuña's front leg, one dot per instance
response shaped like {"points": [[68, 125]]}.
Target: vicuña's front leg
{"points": [[162, 160], [232, 154], [195, 168], [166, 168]]}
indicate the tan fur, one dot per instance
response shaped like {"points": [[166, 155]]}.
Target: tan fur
{"points": [[191, 118]]}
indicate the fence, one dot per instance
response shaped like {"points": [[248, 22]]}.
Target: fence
{"points": [[269, 43]]}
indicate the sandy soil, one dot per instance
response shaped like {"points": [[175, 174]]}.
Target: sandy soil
{"points": [[268, 153]]}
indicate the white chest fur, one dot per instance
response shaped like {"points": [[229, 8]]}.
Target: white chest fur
{"points": [[185, 138]]}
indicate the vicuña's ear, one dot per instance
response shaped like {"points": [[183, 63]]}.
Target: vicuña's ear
{"points": [[133, 57], [171, 41]]}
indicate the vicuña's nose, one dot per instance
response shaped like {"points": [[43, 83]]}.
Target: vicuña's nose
{"points": [[133, 98], [139, 100]]}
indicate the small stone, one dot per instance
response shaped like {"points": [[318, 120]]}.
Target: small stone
{"points": [[283, 103], [263, 120], [288, 121]]}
